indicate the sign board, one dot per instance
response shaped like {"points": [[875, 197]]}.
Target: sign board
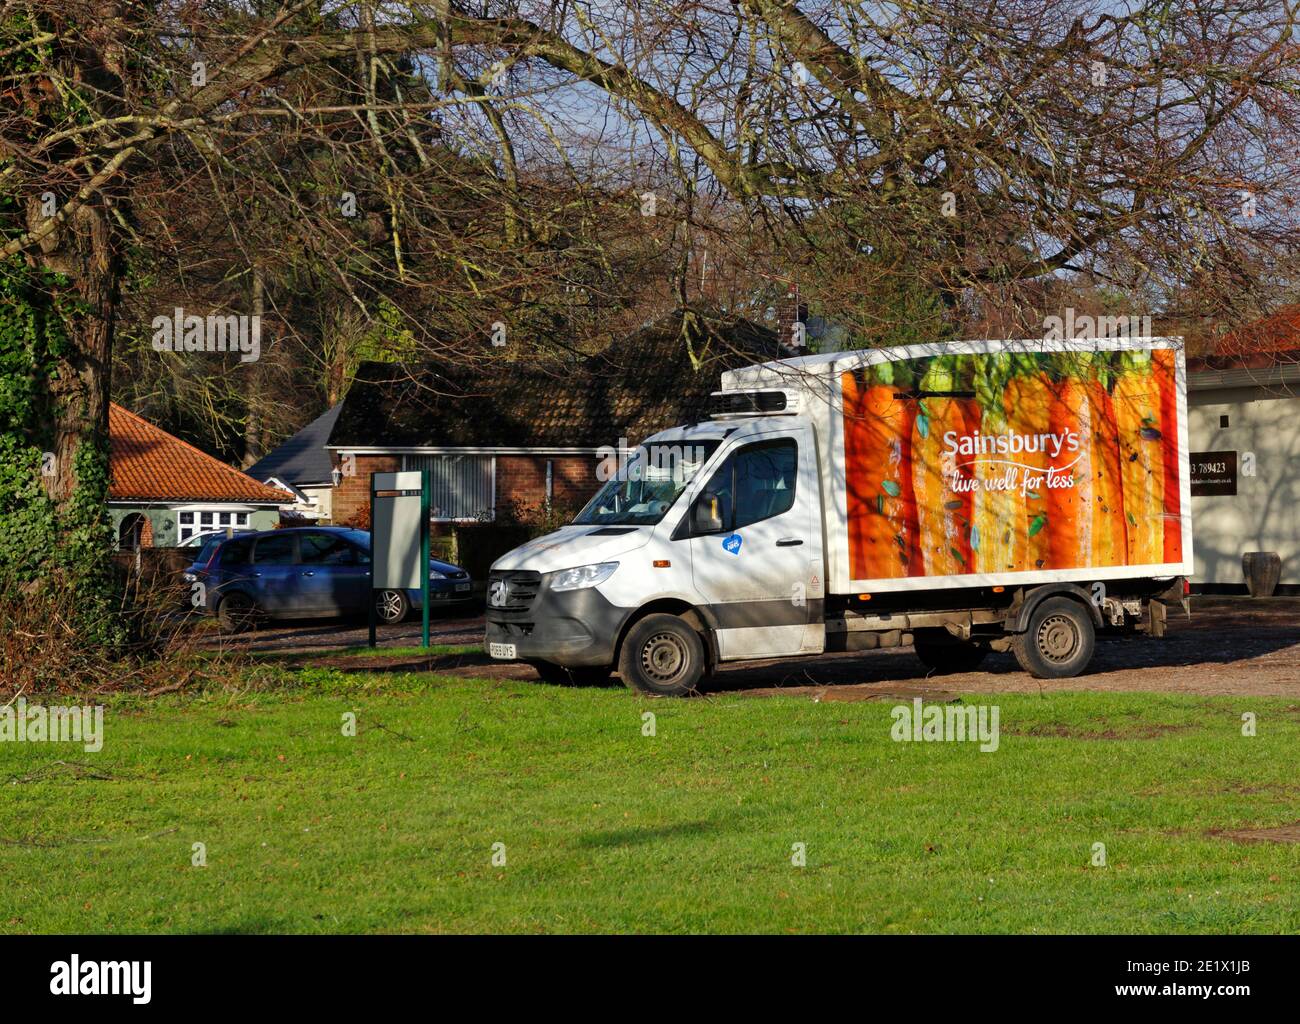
{"points": [[395, 531], [399, 538], [1213, 473]]}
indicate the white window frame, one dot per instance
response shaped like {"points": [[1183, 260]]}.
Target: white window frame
{"points": [[184, 531]]}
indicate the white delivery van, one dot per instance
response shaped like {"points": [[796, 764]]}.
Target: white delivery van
{"points": [[961, 497]]}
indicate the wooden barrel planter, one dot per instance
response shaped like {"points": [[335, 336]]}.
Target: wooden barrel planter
{"points": [[1263, 569]]}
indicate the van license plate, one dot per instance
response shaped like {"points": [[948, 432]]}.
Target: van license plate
{"points": [[501, 650]]}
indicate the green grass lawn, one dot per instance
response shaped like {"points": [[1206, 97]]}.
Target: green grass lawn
{"points": [[605, 829], [433, 650]]}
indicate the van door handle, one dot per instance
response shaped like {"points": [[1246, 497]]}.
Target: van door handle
{"points": [[788, 542], [309, 574]]}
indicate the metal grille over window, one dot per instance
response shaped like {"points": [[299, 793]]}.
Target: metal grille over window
{"points": [[461, 486]]}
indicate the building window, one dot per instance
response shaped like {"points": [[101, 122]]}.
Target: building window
{"points": [[192, 521], [463, 486]]}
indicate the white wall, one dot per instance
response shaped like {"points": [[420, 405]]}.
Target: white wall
{"points": [[322, 501], [1264, 515]]}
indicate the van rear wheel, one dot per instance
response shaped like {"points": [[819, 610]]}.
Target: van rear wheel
{"points": [[663, 656], [1059, 642]]}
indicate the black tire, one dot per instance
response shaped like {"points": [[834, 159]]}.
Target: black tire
{"points": [[585, 675], [663, 656], [392, 606], [944, 655], [237, 612], [1059, 642]]}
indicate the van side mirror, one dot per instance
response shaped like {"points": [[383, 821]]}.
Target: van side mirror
{"points": [[706, 516]]}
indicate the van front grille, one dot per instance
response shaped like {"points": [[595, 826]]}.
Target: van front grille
{"points": [[512, 591]]}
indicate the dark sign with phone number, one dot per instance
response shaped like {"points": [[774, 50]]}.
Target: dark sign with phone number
{"points": [[1213, 473]]}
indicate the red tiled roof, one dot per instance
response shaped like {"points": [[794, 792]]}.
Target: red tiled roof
{"points": [[1269, 341], [149, 464]]}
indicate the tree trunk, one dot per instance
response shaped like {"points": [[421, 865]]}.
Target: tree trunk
{"points": [[75, 420], [254, 428]]}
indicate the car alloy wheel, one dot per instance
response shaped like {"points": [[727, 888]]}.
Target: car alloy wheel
{"points": [[391, 606]]}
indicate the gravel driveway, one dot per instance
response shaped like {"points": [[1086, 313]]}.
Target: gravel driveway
{"points": [[1231, 646]]}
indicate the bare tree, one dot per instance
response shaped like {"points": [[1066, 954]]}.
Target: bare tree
{"points": [[500, 157]]}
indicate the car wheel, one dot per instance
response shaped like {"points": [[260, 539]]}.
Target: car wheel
{"points": [[1059, 642], [585, 675], [663, 656], [237, 612], [945, 655], [392, 606]]}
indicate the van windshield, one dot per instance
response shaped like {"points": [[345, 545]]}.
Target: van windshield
{"points": [[641, 487]]}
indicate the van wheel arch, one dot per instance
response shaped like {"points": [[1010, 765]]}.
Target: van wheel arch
{"points": [[685, 611], [1027, 601]]}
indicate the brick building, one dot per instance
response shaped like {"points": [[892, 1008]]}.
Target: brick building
{"points": [[504, 442]]}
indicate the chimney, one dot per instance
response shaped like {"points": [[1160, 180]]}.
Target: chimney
{"points": [[791, 316]]}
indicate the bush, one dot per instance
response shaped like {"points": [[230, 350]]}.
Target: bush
{"points": [[43, 649]]}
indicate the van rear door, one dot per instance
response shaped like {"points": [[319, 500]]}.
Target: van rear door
{"points": [[753, 565]]}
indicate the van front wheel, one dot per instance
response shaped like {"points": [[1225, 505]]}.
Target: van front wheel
{"points": [[1059, 641], [663, 656]]}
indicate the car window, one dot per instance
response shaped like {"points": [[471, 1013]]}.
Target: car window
{"points": [[205, 552], [326, 549], [756, 482], [276, 549], [235, 552]]}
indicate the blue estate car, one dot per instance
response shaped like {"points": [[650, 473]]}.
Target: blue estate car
{"points": [[307, 572]]}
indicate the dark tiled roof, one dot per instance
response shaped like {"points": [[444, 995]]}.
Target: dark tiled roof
{"points": [[302, 459], [634, 387], [149, 464]]}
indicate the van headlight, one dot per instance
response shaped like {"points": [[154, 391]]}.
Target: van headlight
{"points": [[583, 576]]}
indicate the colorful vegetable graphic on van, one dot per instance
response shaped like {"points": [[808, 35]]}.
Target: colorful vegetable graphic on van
{"points": [[1012, 462], [1109, 527], [941, 478], [1070, 496], [996, 544], [1165, 372], [1028, 404], [878, 456], [1141, 455]]}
